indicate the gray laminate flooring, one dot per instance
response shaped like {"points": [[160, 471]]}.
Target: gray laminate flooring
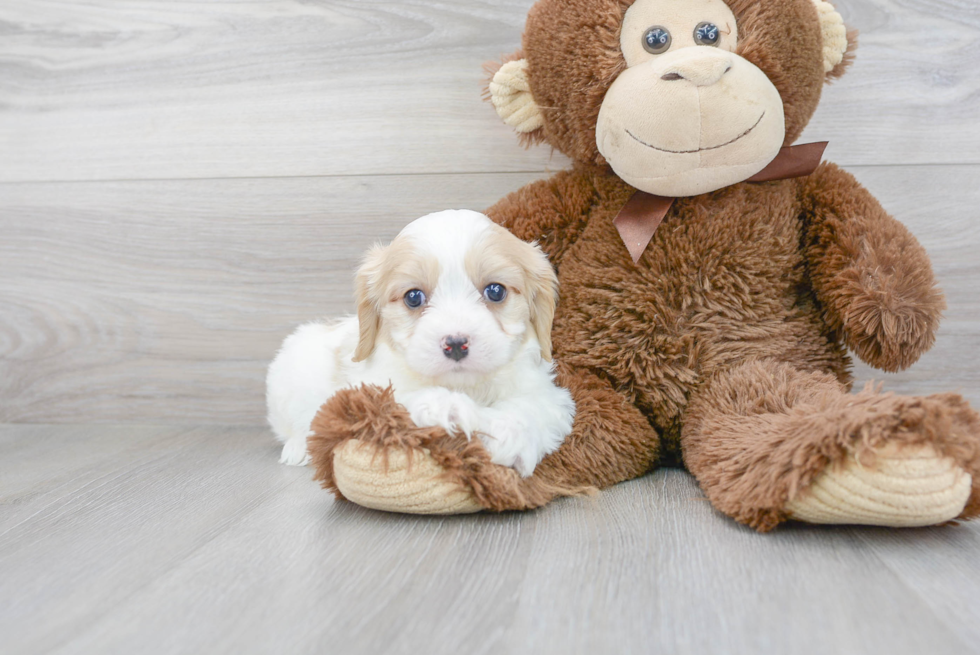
{"points": [[195, 540]]}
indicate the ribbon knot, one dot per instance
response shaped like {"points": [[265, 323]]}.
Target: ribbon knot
{"points": [[643, 213]]}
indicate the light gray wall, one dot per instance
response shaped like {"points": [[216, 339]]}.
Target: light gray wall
{"points": [[183, 182]]}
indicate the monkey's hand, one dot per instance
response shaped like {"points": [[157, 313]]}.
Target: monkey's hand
{"points": [[889, 308], [871, 276]]}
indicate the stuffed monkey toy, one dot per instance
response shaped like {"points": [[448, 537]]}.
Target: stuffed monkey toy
{"points": [[713, 277]]}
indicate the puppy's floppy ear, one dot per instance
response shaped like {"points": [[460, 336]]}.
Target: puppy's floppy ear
{"points": [[366, 291], [541, 285]]}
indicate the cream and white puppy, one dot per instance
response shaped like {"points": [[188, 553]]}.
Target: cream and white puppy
{"points": [[456, 315]]}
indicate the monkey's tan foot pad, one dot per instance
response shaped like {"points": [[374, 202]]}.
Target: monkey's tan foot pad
{"points": [[906, 486], [408, 488]]}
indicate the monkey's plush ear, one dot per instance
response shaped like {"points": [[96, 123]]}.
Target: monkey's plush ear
{"points": [[838, 43], [510, 94]]}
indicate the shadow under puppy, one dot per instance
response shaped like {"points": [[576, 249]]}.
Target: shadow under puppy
{"points": [[455, 314]]}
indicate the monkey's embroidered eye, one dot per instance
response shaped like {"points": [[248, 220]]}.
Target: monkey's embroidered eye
{"points": [[656, 40], [706, 34], [495, 292], [415, 298]]}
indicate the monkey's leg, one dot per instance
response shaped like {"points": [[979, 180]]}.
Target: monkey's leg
{"points": [[770, 443], [366, 449]]}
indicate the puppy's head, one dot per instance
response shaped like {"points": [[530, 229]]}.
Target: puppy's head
{"points": [[456, 296]]}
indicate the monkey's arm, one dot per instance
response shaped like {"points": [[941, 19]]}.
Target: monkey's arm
{"points": [[871, 275], [552, 212]]}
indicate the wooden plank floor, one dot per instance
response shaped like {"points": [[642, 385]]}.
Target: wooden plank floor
{"points": [[193, 540], [182, 182]]}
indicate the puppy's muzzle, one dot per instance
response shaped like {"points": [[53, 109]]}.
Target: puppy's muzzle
{"points": [[455, 348]]}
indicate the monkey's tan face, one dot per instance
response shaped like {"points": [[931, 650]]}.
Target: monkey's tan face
{"points": [[688, 116]]}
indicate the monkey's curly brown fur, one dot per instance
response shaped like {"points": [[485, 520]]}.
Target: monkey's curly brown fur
{"points": [[724, 346]]}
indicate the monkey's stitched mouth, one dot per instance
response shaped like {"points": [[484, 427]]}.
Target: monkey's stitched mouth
{"points": [[691, 152]]}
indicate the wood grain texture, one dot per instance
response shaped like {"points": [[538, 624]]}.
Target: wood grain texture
{"points": [[197, 541], [163, 227], [164, 301], [159, 89]]}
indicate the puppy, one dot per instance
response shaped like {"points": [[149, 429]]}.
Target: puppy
{"points": [[455, 314]]}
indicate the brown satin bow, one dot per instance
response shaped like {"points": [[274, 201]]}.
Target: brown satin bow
{"points": [[642, 214]]}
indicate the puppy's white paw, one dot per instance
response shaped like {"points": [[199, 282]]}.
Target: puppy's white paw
{"points": [[444, 408], [510, 443], [294, 452]]}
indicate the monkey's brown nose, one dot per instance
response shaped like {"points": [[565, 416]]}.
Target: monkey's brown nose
{"points": [[699, 78], [700, 66], [455, 348]]}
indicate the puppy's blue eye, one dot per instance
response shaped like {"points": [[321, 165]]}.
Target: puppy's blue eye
{"points": [[415, 298], [495, 292]]}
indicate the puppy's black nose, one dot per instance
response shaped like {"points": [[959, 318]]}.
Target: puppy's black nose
{"points": [[455, 348]]}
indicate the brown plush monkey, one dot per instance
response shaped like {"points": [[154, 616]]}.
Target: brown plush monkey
{"points": [[704, 314]]}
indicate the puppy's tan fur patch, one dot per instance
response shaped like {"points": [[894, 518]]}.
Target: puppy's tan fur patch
{"points": [[526, 272], [387, 274]]}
